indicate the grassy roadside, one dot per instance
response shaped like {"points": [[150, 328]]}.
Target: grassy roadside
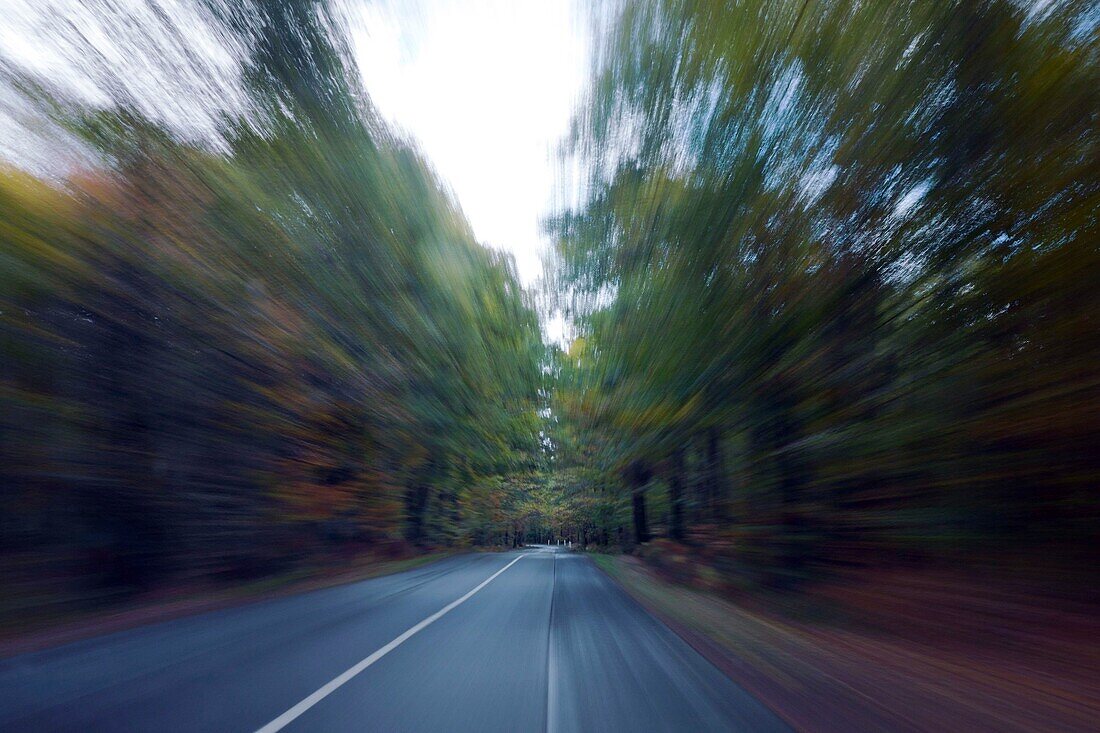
{"points": [[822, 676], [179, 601]]}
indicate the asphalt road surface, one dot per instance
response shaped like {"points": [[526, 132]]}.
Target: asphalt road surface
{"points": [[533, 640]]}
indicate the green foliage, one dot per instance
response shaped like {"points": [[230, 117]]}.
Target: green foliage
{"points": [[216, 362], [840, 257]]}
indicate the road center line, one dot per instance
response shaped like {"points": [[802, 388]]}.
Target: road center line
{"points": [[286, 718]]}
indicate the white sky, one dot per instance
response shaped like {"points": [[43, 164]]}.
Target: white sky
{"points": [[487, 87]]}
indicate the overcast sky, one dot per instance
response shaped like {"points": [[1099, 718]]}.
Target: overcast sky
{"points": [[488, 88]]}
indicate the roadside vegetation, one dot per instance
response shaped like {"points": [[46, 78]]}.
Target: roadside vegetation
{"points": [[896, 651], [832, 279], [831, 400]]}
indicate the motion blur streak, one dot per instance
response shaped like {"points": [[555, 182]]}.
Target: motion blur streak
{"points": [[829, 407], [276, 345]]}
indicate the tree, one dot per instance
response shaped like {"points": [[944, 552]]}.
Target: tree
{"points": [[822, 240]]}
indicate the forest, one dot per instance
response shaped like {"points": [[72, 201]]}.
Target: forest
{"points": [[833, 274], [829, 276], [220, 361]]}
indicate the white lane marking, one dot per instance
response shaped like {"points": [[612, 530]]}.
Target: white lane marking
{"points": [[286, 718], [551, 660]]}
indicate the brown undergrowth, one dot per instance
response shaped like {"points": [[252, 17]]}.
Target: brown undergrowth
{"points": [[900, 650]]}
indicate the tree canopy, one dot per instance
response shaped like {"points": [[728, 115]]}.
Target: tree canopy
{"points": [[223, 356], [832, 277]]}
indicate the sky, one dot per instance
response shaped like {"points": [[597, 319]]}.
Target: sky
{"points": [[488, 88]]}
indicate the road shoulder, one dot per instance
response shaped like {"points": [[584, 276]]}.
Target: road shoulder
{"points": [[820, 677], [172, 603]]}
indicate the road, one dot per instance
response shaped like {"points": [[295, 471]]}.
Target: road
{"points": [[533, 640]]}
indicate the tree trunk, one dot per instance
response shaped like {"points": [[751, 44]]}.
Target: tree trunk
{"points": [[778, 436], [416, 499], [715, 476], [641, 531], [638, 476], [792, 472], [416, 502], [676, 496]]}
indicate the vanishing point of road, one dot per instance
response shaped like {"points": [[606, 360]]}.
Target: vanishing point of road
{"points": [[532, 640]]}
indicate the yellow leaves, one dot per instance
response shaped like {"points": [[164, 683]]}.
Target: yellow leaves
{"points": [[36, 223]]}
